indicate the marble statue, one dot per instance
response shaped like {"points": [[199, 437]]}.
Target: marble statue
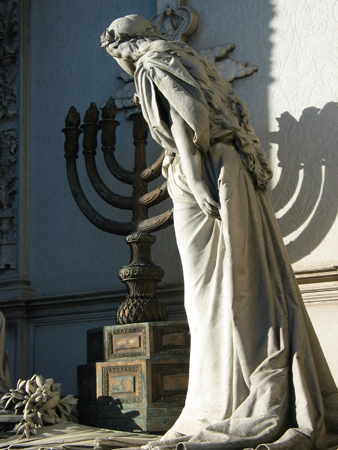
{"points": [[258, 378]]}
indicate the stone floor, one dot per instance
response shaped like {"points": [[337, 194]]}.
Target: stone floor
{"points": [[70, 436]]}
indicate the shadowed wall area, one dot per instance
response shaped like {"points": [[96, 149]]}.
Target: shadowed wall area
{"points": [[304, 198]]}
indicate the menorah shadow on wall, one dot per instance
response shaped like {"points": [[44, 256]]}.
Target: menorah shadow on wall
{"points": [[140, 275], [305, 197]]}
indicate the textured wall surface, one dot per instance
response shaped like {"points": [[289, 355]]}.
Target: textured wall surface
{"points": [[292, 101], [304, 120]]}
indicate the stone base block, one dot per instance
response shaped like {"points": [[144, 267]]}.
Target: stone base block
{"points": [[141, 384]]}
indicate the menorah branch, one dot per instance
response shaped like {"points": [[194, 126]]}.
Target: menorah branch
{"points": [[110, 226], [154, 197], [115, 169], [119, 201], [89, 144], [108, 140], [157, 223], [154, 171]]}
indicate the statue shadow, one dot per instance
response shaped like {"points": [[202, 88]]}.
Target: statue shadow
{"points": [[305, 196], [107, 412]]}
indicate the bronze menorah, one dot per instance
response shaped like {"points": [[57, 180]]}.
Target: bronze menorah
{"points": [[141, 275]]}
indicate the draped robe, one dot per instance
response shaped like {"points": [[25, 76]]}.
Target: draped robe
{"points": [[258, 378]]}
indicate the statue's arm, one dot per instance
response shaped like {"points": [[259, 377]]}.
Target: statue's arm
{"points": [[192, 163]]}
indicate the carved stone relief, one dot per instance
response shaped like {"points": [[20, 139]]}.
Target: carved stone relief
{"points": [[174, 22], [8, 56], [8, 191], [124, 382], [8, 135], [124, 351]]}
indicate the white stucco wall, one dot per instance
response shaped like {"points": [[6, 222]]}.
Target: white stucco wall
{"points": [[292, 103]]}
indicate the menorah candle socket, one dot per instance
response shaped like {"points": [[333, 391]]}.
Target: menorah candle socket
{"points": [[109, 111], [72, 133]]}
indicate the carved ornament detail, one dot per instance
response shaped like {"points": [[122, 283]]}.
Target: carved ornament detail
{"points": [[127, 331], [170, 391], [9, 135], [175, 23], [8, 59], [122, 371], [8, 191], [178, 347]]}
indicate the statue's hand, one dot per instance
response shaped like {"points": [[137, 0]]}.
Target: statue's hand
{"points": [[205, 201]]}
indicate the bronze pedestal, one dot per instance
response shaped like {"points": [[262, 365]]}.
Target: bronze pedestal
{"points": [[136, 377]]}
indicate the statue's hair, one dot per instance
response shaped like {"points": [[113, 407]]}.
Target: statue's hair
{"points": [[237, 120], [133, 49], [124, 37]]}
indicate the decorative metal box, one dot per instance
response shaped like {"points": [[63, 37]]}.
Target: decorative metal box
{"points": [[136, 377]]}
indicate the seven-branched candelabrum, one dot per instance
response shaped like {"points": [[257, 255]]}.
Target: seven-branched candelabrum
{"points": [[141, 275]]}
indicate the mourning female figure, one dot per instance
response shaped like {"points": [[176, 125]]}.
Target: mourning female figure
{"points": [[258, 378]]}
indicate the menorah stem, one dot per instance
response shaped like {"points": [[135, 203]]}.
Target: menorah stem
{"points": [[140, 134], [141, 275]]}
